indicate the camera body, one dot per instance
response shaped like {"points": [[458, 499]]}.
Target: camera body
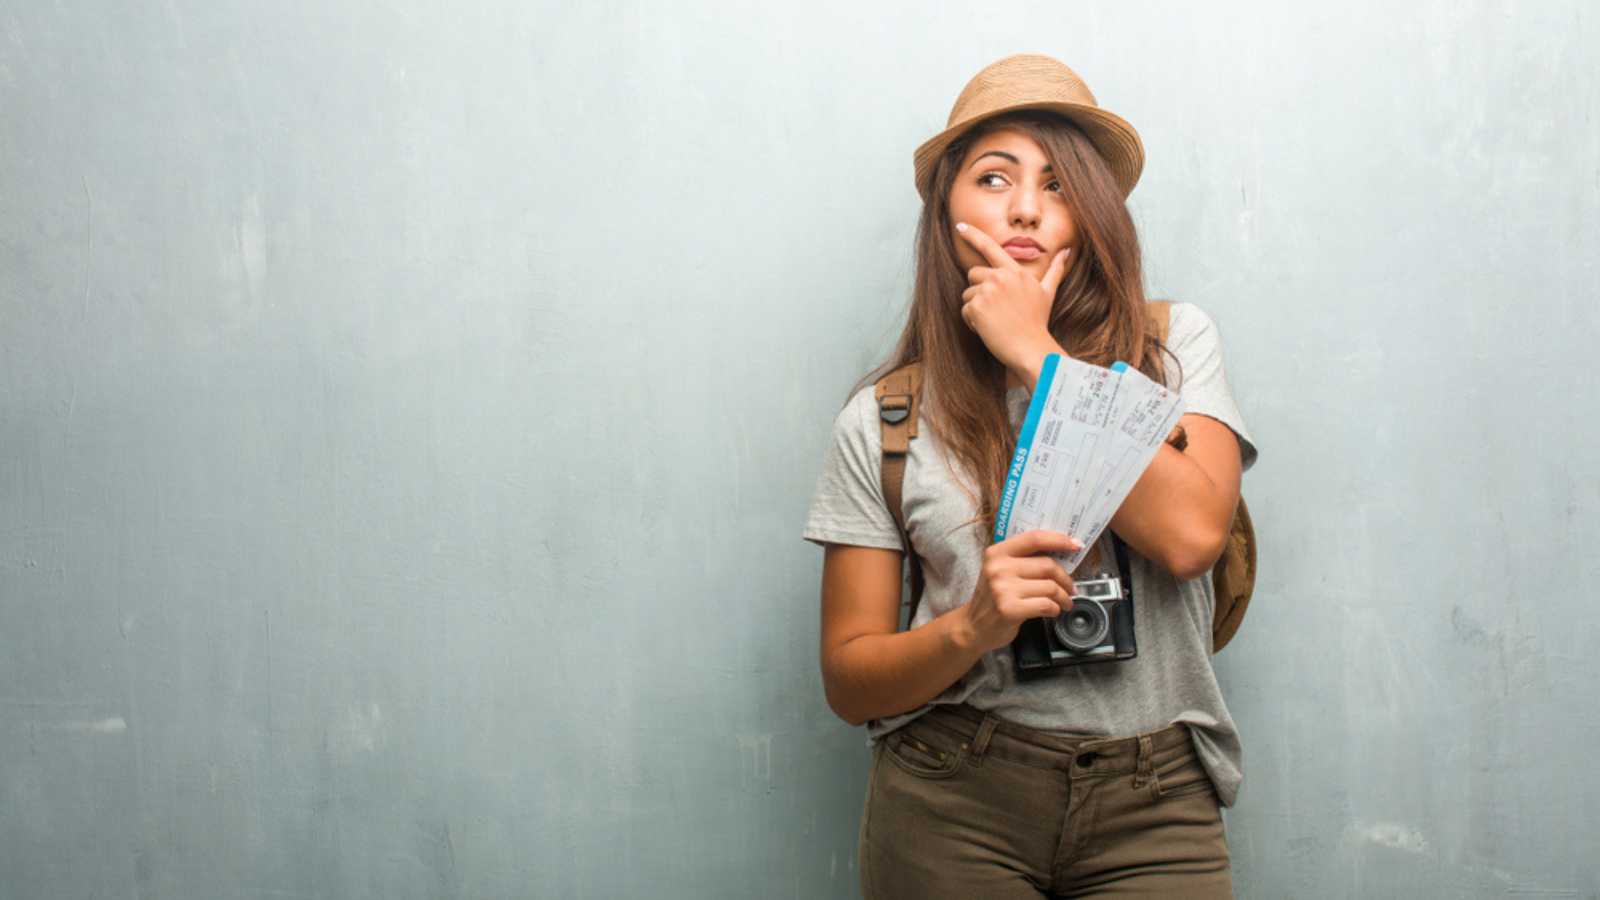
{"points": [[1098, 628]]}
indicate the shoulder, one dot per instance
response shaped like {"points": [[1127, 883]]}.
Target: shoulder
{"points": [[848, 505], [1195, 341], [855, 426], [860, 410], [1193, 337], [861, 413], [1188, 322]]}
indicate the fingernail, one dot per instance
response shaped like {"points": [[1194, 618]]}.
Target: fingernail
{"points": [[961, 226]]}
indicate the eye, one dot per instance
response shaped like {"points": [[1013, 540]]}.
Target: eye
{"points": [[987, 175], [1056, 184]]}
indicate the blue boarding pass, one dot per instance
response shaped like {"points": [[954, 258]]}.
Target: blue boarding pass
{"points": [[1089, 434]]}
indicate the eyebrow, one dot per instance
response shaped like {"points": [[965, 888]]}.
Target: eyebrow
{"points": [[1014, 160]]}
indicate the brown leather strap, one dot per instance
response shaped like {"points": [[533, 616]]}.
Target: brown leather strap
{"points": [[1231, 605], [898, 395]]}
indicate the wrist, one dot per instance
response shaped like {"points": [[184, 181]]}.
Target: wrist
{"points": [[1027, 366], [960, 634]]}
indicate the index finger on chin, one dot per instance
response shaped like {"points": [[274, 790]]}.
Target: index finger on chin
{"points": [[986, 245]]}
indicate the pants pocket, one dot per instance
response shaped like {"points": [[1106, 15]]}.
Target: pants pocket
{"points": [[1180, 777], [925, 751]]}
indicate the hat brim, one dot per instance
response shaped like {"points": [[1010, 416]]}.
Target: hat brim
{"points": [[1116, 140]]}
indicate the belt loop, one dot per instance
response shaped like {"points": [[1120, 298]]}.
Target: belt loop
{"points": [[980, 741], [1145, 770]]}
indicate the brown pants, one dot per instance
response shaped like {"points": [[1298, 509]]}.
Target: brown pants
{"points": [[964, 804]]}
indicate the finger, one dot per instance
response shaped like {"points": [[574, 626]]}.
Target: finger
{"points": [[1044, 568], [971, 293], [1032, 543], [1057, 577], [1039, 540], [986, 245], [1052, 276], [1046, 606], [1041, 587], [977, 274]]}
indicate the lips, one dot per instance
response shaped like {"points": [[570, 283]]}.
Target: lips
{"points": [[1022, 248]]}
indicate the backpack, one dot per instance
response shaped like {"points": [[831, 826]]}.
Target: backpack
{"points": [[1233, 577]]}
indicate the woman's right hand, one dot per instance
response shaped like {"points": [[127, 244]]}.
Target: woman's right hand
{"points": [[1018, 582]]}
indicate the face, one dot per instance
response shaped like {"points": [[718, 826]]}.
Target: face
{"points": [[1006, 188]]}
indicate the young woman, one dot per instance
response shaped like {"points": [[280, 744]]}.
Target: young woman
{"points": [[1098, 779]]}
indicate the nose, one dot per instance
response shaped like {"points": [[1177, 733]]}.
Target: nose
{"points": [[1024, 209]]}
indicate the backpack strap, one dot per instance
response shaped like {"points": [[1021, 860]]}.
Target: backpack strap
{"points": [[898, 395]]}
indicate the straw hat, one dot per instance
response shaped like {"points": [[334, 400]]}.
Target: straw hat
{"points": [[1035, 81]]}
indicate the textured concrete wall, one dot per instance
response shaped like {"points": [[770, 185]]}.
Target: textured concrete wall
{"points": [[407, 416]]}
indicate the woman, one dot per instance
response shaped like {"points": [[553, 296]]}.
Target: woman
{"points": [[1104, 778]]}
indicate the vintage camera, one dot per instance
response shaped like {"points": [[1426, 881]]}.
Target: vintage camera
{"points": [[1098, 627]]}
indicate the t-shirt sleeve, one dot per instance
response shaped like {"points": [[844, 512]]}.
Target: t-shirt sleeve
{"points": [[1204, 386], [847, 506]]}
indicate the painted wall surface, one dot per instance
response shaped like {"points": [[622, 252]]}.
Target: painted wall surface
{"points": [[408, 414]]}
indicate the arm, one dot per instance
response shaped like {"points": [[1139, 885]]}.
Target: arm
{"points": [[1179, 511], [869, 670]]}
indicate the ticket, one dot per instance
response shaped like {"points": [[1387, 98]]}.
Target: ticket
{"points": [[1089, 434]]}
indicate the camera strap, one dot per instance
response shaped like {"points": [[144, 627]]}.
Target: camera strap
{"points": [[1124, 570]]}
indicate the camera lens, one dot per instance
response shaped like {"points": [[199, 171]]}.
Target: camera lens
{"points": [[1083, 627]]}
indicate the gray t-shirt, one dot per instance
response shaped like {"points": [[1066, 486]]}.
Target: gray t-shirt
{"points": [[1169, 681]]}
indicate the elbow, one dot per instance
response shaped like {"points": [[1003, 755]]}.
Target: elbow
{"points": [[1194, 556], [849, 716], [838, 696], [842, 708]]}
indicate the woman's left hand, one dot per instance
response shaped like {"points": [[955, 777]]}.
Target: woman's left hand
{"points": [[1008, 307]]}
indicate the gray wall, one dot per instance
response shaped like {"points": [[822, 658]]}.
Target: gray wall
{"points": [[407, 416]]}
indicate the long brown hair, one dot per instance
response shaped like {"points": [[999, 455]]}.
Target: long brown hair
{"points": [[1098, 315]]}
